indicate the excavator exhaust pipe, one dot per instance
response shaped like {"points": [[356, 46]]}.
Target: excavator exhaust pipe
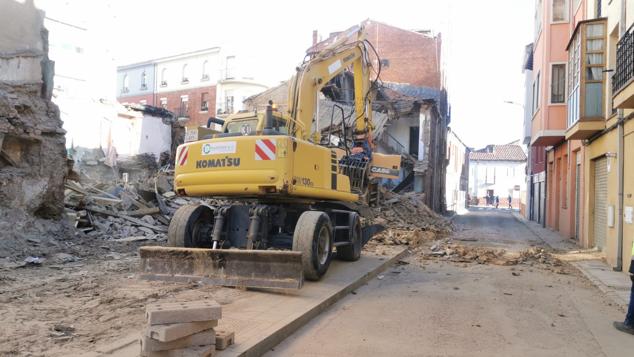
{"points": [[226, 267]]}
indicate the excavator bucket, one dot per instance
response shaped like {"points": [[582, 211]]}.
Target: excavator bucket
{"points": [[227, 267]]}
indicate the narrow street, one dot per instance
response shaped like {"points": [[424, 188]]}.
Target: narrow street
{"points": [[431, 308]]}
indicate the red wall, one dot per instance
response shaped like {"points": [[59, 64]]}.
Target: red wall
{"points": [[135, 99], [413, 58], [194, 113]]}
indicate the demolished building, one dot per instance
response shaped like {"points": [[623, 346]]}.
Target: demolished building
{"points": [[32, 142], [410, 111]]}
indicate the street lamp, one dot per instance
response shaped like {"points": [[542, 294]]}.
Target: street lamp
{"points": [[514, 103]]}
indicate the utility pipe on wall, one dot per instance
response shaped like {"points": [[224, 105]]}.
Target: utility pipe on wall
{"points": [[620, 160]]}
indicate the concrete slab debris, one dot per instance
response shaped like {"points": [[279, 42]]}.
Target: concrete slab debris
{"points": [[169, 313]]}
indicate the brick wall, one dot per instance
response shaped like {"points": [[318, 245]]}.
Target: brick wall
{"points": [[195, 95], [149, 98], [413, 58]]}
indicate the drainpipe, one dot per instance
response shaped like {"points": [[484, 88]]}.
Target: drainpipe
{"points": [[545, 188], [621, 162]]}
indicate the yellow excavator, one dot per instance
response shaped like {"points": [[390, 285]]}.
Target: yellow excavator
{"points": [[297, 185]]}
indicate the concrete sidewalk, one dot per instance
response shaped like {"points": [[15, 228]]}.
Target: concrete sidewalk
{"points": [[615, 285]]}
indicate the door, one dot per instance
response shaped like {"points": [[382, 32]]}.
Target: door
{"points": [[413, 140], [600, 201]]}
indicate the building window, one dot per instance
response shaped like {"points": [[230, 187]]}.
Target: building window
{"points": [[229, 102], [558, 83], [538, 17], [184, 109], [163, 103], [560, 11], [184, 77], [205, 76], [230, 63], [204, 102], [126, 84], [490, 175], [143, 81], [164, 77], [536, 93]]}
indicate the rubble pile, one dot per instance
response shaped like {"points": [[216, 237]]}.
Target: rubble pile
{"points": [[408, 212], [447, 250], [407, 221], [124, 211]]}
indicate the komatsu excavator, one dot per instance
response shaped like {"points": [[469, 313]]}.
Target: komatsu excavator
{"points": [[298, 193]]}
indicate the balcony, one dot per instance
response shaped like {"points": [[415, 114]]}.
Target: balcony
{"points": [[586, 79], [622, 81]]}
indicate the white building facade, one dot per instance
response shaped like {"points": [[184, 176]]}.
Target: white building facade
{"points": [[497, 171]]}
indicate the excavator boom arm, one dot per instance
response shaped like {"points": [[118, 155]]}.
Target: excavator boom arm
{"points": [[317, 72]]}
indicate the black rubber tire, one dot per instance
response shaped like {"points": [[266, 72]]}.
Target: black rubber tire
{"points": [[184, 228], [306, 240], [352, 252]]}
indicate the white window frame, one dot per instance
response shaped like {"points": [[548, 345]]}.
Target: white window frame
{"points": [[536, 92], [163, 75], [552, 12], [163, 100], [550, 87]]}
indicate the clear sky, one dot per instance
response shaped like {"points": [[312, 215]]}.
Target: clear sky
{"points": [[484, 42]]}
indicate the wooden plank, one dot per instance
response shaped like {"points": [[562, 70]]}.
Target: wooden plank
{"points": [[142, 212], [131, 219]]}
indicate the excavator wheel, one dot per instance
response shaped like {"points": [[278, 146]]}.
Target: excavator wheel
{"points": [[352, 252], [313, 238], [191, 227]]}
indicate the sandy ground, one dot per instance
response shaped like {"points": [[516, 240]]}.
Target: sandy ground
{"points": [[70, 309], [438, 308]]}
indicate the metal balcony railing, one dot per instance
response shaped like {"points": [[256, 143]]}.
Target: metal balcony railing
{"points": [[624, 71]]}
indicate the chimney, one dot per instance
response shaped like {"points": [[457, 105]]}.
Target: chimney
{"points": [[314, 37]]}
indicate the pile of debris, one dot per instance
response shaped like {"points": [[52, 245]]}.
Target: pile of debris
{"points": [[123, 210], [407, 221], [184, 329], [446, 250], [408, 212]]}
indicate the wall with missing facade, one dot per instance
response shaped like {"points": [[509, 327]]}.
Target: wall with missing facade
{"points": [[32, 151]]}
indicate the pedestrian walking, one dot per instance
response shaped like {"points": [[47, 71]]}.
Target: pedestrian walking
{"points": [[627, 326], [510, 201], [497, 201]]}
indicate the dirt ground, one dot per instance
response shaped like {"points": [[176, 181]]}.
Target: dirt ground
{"points": [[71, 308]]}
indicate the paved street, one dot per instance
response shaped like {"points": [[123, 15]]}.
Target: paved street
{"points": [[449, 309]]}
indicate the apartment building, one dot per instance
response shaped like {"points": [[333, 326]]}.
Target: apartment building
{"points": [[197, 85], [582, 98]]}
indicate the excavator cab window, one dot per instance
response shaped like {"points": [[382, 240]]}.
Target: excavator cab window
{"points": [[244, 127], [279, 125]]}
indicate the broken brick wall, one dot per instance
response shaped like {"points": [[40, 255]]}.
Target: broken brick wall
{"points": [[32, 142]]}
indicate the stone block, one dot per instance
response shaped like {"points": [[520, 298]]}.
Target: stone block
{"points": [[169, 313]]}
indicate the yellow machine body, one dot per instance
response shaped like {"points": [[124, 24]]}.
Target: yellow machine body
{"points": [[260, 165]]}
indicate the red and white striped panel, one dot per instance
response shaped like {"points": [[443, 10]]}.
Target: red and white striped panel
{"points": [[265, 149], [182, 156]]}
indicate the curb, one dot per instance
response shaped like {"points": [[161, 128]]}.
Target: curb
{"points": [[606, 290]]}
